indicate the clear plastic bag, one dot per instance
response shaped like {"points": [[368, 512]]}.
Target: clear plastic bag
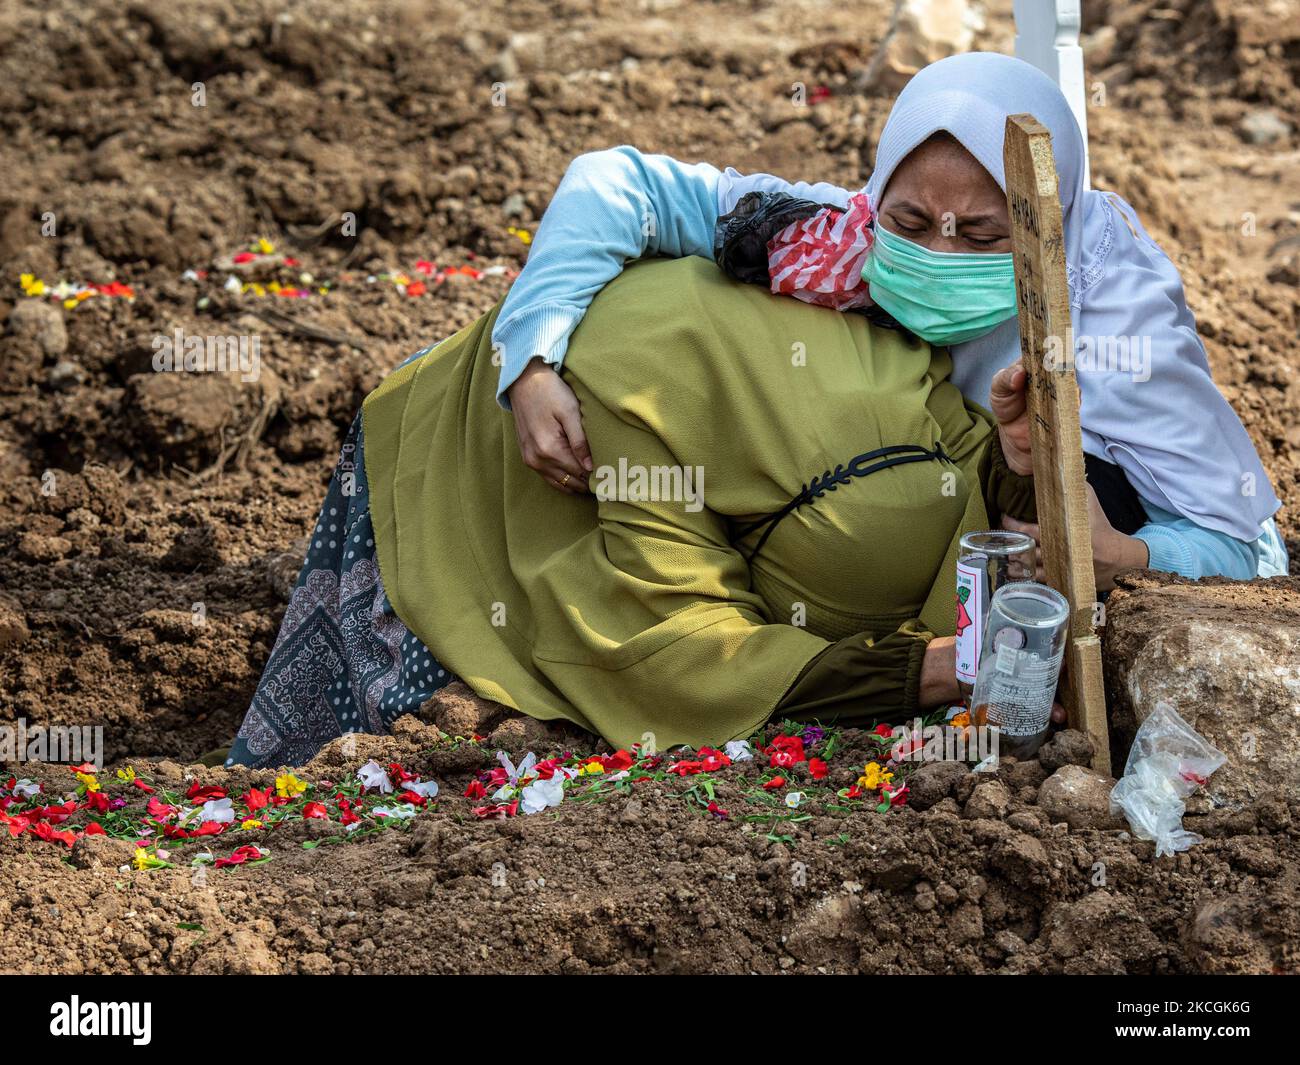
{"points": [[1169, 760]]}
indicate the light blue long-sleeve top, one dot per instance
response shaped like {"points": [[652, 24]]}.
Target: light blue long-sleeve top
{"points": [[620, 204]]}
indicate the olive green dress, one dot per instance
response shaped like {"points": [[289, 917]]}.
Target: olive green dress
{"points": [[636, 614]]}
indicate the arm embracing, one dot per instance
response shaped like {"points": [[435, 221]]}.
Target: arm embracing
{"points": [[610, 207]]}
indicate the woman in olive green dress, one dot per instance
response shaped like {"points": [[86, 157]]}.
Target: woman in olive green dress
{"points": [[772, 531]]}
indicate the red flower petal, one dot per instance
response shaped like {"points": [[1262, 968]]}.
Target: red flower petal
{"points": [[157, 808], [239, 857], [617, 762], [44, 831]]}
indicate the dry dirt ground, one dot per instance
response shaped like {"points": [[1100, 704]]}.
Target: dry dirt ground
{"points": [[134, 501]]}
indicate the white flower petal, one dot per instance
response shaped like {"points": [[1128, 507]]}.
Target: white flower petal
{"points": [[372, 775], [219, 810], [542, 794]]}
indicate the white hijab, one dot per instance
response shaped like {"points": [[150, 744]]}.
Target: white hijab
{"points": [[1179, 443]]}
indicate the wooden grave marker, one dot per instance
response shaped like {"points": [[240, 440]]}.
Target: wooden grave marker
{"points": [[1052, 393]]}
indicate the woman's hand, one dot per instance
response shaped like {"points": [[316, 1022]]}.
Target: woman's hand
{"points": [[1007, 401], [548, 423], [1112, 551]]}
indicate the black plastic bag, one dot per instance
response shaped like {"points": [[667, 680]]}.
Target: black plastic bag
{"points": [[740, 239]]}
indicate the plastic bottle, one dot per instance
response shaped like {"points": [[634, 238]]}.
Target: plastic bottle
{"points": [[1020, 664], [986, 561]]}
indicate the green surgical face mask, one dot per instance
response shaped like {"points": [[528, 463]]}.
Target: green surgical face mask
{"points": [[942, 297]]}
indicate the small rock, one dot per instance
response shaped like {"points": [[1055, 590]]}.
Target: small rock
{"points": [[652, 92], [1021, 859], [933, 782], [1099, 46], [1008, 942], [315, 964], [1067, 747], [196, 548], [1263, 127], [283, 567], [514, 205], [1022, 775], [989, 800], [966, 925], [94, 852], [457, 711], [167, 770], [504, 67], [33, 547], [13, 623], [1025, 821], [42, 320], [520, 733], [64, 374], [1080, 797], [928, 30]]}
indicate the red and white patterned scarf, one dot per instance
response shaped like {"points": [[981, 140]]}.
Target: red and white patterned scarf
{"points": [[819, 259]]}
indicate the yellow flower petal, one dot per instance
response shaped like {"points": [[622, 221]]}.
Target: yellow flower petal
{"points": [[288, 785]]}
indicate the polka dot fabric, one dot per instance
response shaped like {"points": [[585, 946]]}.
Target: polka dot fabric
{"points": [[343, 661]]}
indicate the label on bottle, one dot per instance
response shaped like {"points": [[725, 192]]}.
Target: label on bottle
{"points": [[970, 617], [1020, 689]]}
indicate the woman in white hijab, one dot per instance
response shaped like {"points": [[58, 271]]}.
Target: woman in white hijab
{"points": [[1149, 405]]}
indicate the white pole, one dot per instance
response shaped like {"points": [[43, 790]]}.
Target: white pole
{"points": [[1047, 35]]}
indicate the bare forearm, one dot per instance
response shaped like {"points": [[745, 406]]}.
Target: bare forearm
{"points": [[939, 673], [1117, 553]]}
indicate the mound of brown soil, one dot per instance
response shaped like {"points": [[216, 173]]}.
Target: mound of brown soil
{"points": [[978, 876]]}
